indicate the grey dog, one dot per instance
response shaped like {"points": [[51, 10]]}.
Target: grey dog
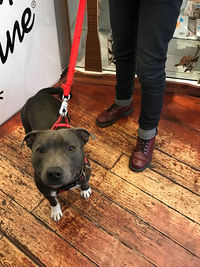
{"points": [[58, 156]]}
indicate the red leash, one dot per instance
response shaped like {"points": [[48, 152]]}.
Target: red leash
{"points": [[75, 46], [58, 123], [72, 63]]}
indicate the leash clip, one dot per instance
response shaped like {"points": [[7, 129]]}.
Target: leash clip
{"points": [[63, 109]]}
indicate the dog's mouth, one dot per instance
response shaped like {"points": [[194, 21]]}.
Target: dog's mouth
{"points": [[54, 186]]}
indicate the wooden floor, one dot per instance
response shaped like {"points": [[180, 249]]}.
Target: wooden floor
{"points": [[131, 219]]}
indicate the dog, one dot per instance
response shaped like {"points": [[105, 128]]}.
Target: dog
{"points": [[58, 156]]}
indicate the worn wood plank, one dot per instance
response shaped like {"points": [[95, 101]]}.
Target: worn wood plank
{"points": [[132, 231], [43, 243], [10, 125], [163, 218], [10, 255], [12, 134], [176, 171], [182, 109], [161, 188], [88, 238], [177, 142], [101, 152], [17, 156], [18, 186]]}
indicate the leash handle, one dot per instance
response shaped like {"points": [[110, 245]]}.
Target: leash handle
{"points": [[75, 46]]}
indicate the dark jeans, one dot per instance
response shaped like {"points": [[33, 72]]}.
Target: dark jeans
{"points": [[141, 32]]}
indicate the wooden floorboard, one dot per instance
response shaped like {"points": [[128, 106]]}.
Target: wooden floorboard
{"points": [[131, 219], [12, 256]]}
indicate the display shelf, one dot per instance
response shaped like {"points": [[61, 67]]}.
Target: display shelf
{"points": [[178, 48]]}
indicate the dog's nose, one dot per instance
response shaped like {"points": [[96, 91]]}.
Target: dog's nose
{"points": [[54, 173]]}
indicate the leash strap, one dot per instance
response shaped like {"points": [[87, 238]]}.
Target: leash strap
{"points": [[58, 123], [75, 46], [72, 63]]}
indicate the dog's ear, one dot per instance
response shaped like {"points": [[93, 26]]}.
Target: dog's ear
{"points": [[30, 138], [84, 134]]}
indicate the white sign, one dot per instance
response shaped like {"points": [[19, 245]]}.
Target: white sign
{"points": [[29, 52]]}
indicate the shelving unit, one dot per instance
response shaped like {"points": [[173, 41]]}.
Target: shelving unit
{"points": [[178, 48]]}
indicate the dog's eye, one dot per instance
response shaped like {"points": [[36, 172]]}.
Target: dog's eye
{"points": [[40, 150], [71, 148]]}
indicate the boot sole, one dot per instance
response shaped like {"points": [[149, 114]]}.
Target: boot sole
{"points": [[141, 169], [102, 125]]}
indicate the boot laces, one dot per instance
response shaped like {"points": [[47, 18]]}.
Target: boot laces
{"points": [[142, 144], [113, 108]]}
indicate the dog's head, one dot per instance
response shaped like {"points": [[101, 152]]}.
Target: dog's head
{"points": [[57, 156]]}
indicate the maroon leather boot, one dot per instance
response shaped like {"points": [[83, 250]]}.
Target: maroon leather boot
{"points": [[142, 154], [112, 114]]}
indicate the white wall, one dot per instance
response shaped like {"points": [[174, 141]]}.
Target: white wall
{"points": [[35, 61]]}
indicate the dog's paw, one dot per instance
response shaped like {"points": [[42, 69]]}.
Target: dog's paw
{"points": [[56, 212], [86, 193]]}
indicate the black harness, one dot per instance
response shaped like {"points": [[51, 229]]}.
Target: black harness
{"points": [[82, 178]]}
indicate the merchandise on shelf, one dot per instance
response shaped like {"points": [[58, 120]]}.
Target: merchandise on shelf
{"points": [[188, 25]]}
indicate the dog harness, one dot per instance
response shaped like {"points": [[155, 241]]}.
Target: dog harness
{"points": [[82, 178]]}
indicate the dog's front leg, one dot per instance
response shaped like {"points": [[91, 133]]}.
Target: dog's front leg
{"points": [[51, 195], [56, 212], [85, 191]]}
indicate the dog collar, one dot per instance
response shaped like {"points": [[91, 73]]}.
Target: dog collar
{"points": [[58, 124], [82, 178]]}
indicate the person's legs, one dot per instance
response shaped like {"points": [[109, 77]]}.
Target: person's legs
{"points": [[157, 22], [124, 21]]}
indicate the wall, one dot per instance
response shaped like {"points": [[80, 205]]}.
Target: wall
{"points": [[29, 52]]}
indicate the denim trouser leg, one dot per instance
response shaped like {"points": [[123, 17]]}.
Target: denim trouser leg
{"points": [[124, 21], [157, 22], [141, 31]]}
